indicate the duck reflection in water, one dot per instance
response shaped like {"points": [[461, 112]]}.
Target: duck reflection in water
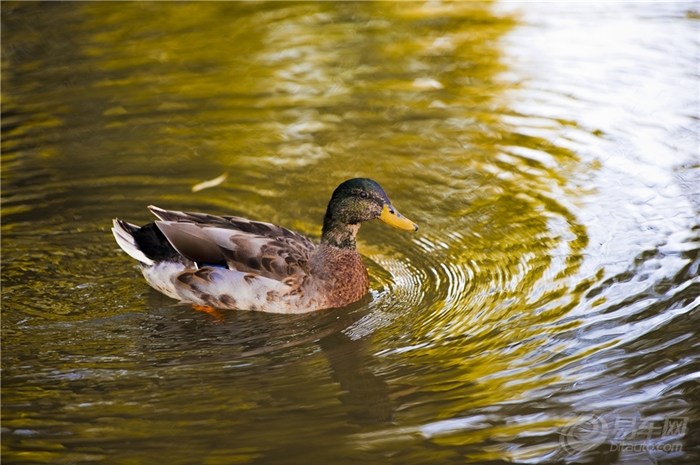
{"points": [[364, 394], [238, 339]]}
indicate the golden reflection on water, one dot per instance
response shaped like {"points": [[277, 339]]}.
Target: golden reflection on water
{"points": [[480, 332]]}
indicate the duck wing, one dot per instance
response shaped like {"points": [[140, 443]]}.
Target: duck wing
{"points": [[237, 243]]}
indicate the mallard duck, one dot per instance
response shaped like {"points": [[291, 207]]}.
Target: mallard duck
{"points": [[229, 262]]}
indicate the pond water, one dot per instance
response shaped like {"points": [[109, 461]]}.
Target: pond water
{"points": [[546, 311]]}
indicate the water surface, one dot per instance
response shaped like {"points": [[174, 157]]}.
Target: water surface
{"points": [[548, 152]]}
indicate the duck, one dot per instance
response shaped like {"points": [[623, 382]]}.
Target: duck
{"points": [[230, 262]]}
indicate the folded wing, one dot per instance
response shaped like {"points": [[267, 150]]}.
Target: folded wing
{"points": [[237, 243]]}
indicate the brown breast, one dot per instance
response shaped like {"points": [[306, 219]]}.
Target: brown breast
{"points": [[340, 275]]}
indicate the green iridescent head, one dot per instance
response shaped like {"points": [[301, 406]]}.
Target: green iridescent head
{"points": [[354, 201]]}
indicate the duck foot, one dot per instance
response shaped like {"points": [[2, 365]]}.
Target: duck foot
{"points": [[209, 311]]}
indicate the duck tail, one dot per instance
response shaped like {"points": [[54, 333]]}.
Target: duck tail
{"points": [[124, 235]]}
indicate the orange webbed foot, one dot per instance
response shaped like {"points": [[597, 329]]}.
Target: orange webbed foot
{"points": [[209, 311]]}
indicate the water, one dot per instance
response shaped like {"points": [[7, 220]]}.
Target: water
{"points": [[545, 312]]}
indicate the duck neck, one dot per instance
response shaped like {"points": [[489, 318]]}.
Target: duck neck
{"points": [[339, 234]]}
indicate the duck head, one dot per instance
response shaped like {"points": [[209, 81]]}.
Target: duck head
{"points": [[354, 201]]}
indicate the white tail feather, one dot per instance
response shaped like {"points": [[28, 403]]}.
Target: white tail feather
{"points": [[128, 245]]}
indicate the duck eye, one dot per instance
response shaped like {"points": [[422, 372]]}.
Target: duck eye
{"points": [[363, 194]]}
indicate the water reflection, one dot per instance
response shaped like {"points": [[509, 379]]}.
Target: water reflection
{"points": [[365, 394], [549, 154]]}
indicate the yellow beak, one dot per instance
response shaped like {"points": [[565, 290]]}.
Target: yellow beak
{"points": [[391, 217]]}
